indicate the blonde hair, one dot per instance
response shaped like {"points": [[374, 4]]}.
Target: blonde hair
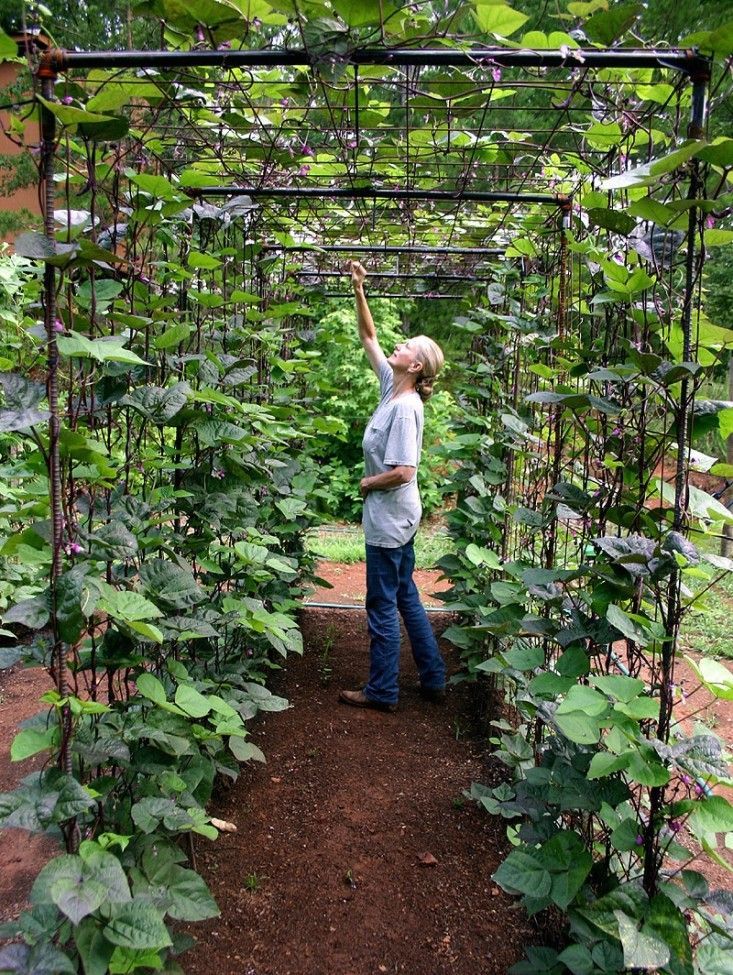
{"points": [[431, 355]]}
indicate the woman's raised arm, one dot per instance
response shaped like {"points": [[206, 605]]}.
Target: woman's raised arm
{"points": [[367, 331]]}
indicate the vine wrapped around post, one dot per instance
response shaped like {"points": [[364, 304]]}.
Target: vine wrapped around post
{"points": [[48, 195]]}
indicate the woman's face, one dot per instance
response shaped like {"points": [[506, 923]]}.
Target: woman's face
{"points": [[404, 356]]}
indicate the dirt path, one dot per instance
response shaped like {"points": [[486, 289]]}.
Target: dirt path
{"points": [[348, 584], [21, 854], [355, 851]]}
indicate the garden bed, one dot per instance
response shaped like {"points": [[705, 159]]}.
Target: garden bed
{"points": [[355, 850]]}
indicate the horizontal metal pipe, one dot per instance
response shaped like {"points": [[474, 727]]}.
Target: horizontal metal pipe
{"points": [[384, 249], [429, 295], [424, 276], [690, 62], [373, 193]]}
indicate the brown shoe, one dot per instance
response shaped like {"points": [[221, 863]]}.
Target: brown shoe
{"points": [[358, 699]]}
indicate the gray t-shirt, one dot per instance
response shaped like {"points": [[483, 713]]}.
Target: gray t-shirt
{"points": [[393, 438]]}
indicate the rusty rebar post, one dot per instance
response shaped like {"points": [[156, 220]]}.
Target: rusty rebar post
{"points": [[557, 410], [687, 392], [695, 130], [48, 148]]}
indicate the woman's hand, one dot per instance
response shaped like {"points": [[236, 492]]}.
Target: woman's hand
{"points": [[358, 274]]}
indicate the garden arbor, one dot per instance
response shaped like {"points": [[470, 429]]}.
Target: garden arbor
{"points": [[561, 197], [412, 150]]}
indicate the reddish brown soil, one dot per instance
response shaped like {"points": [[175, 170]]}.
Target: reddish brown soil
{"points": [[355, 852], [349, 584], [21, 854]]}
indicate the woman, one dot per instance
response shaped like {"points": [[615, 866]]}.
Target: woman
{"points": [[392, 510]]}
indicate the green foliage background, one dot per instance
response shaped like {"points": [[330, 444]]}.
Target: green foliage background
{"points": [[348, 391]]}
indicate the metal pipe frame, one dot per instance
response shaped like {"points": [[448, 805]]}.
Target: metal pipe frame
{"points": [[689, 62], [383, 249], [396, 275], [373, 193]]}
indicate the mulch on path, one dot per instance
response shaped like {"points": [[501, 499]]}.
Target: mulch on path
{"points": [[355, 852]]}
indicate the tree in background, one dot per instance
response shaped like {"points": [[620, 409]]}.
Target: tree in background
{"points": [[88, 25], [343, 366]]}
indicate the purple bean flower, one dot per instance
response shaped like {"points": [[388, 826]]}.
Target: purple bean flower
{"points": [[305, 150], [67, 100], [698, 789], [687, 780], [304, 170], [675, 825], [58, 326], [352, 144], [284, 102], [496, 74], [710, 222], [639, 839], [74, 548]]}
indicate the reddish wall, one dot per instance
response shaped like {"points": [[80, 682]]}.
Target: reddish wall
{"points": [[27, 198]]}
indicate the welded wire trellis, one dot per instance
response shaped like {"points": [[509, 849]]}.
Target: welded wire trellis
{"points": [[575, 89], [427, 121]]}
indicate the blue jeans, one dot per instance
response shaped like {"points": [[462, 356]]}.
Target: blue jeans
{"points": [[390, 587]]}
